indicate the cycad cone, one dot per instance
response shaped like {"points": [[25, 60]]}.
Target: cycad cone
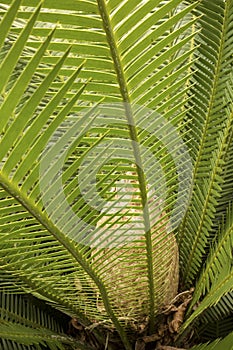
{"points": [[124, 269]]}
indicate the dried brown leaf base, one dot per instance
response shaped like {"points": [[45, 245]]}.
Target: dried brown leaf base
{"points": [[168, 323]]}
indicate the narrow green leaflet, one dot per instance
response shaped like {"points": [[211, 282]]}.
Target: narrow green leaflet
{"points": [[7, 20]]}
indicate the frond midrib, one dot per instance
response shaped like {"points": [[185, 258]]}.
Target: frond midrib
{"points": [[135, 145]]}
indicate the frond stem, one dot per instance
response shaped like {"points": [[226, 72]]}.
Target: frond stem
{"points": [[135, 145]]}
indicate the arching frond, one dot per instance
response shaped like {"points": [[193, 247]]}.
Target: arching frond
{"points": [[210, 128], [218, 344], [212, 327], [219, 256], [220, 287], [25, 324]]}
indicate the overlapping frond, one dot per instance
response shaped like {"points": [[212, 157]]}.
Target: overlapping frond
{"points": [[18, 218], [23, 323], [146, 45], [91, 193], [210, 129], [222, 310], [214, 286], [225, 343], [214, 325], [20, 334], [226, 187], [220, 287], [219, 256]]}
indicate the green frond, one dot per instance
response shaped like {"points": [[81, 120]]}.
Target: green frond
{"points": [[211, 328], [209, 123], [225, 343], [26, 325], [139, 58], [220, 287], [29, 336], [22, 309], [220, 254], [219, 313], [226, 193]]}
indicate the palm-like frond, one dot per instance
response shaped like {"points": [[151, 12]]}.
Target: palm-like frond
{"points": [[214, 285], [213, 327], [22, 309], [220, 253], [219, 256], [221, 286], [9, 203], [219, 344], [226, 192], [25, 324], [210, 131], [90, 42], [28, 336]]}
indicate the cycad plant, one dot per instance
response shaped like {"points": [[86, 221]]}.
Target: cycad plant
{"points": [[116, 225]]}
